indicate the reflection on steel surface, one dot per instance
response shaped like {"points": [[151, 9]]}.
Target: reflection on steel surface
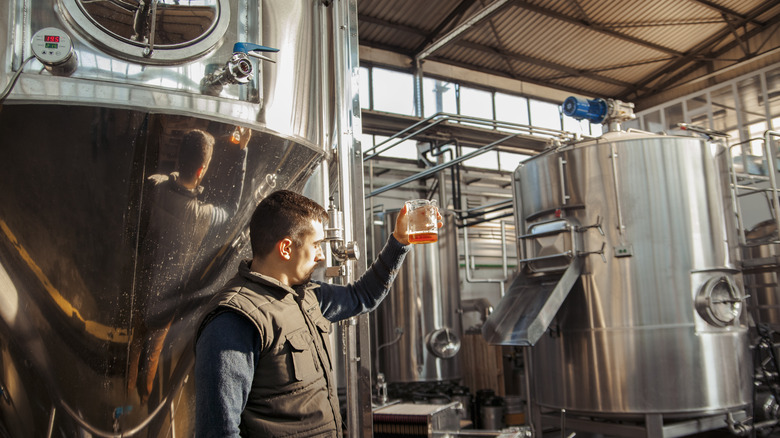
{"points": [[99, 295], [110, 255]]}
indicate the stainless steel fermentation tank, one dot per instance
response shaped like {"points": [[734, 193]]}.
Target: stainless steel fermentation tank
{"points": [[629, 291], [418, 326], [100, 108]]}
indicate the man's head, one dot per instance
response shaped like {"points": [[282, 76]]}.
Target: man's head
{"points": [[288, 228], [195, 155]]}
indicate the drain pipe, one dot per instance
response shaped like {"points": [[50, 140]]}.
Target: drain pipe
{"points": [[500, 281]]}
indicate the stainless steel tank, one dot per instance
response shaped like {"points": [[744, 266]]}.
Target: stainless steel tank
{"points": [[96, 271], [417, 327], [629, 290]]}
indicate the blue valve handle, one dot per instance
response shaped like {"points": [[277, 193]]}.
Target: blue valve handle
{"points": [[249, 47]]}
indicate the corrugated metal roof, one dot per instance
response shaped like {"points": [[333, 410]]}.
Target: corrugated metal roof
{"points": [[609, 48]]}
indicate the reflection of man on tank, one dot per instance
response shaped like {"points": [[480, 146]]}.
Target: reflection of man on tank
{"points": [[178, 223]]}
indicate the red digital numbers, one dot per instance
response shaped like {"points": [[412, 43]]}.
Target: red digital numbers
{"points": [[51, 38]]}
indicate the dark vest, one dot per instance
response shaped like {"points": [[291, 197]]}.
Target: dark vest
{"points": [[293, 393]]}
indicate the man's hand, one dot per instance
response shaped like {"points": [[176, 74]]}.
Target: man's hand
{"points": [[402, 221]]}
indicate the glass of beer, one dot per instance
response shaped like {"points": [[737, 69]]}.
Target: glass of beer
{"points": [[423, 221]]}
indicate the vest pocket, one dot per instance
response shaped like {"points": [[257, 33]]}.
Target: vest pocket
{"points": [[300, 349], [324, 327]]}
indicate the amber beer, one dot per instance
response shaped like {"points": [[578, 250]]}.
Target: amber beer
{"points": [[424, 237], [423, 221]]}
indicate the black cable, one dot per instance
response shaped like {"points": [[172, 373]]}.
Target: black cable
{"points": [[11, 84]]}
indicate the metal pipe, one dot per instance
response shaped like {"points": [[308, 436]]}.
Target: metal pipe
{"points": [[150, 49], [503, 250], [734, 186], [499, 206], [440, 167], [469, 278], [613, 156], [369, 156], [351, 187], [741, 429], [527, 377], [441, 117], [486, 206], [479, 305], [481, 221]]}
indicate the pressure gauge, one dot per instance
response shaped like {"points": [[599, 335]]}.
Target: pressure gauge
{"points": [[54, 50]]}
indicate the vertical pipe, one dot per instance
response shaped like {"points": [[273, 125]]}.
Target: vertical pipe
{"points": [[621, 226], [503, 251], [351, 201], [735, 204], [533, 419], [469, 278], [767, 108]]}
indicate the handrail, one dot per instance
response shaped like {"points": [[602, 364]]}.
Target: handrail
{"points": [[440, 167], [442, 117], [774, 201]]}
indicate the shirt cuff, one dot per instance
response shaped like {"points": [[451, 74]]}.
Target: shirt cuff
{"points": [[397, 248]]}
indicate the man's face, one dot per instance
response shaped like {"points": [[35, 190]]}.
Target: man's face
{"points": [[304, 258]]}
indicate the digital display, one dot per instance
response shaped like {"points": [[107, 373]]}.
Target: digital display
{"points": [[50, 45], [51, 39]]}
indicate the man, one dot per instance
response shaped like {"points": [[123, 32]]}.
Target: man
{"points": [[262, 362], [178, 223]]}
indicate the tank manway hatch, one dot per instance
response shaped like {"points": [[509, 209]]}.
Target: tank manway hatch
{"points": [[524, 314]]}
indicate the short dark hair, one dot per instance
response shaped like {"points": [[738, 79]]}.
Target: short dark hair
{"points": [[195, 151], [283, 214]]}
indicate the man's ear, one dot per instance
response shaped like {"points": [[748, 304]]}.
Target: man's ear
{"points": [[285, 248]]}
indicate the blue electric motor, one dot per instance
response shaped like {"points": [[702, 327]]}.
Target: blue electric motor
{"points": [[592, 110]]}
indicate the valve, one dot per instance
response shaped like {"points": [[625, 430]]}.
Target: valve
{"points": [[342, 251], [237, 70]]}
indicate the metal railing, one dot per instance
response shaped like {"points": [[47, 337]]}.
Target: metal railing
{"points": [[512, 130], [743, 184]]}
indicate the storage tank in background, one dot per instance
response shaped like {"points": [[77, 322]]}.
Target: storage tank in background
{"points": [[629, 290], [417, 327]]}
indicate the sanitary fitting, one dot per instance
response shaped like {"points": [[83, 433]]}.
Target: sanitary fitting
{"points": [[342, 251], [381, 389], [237, 70], [479, 305], [744, 428]]}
